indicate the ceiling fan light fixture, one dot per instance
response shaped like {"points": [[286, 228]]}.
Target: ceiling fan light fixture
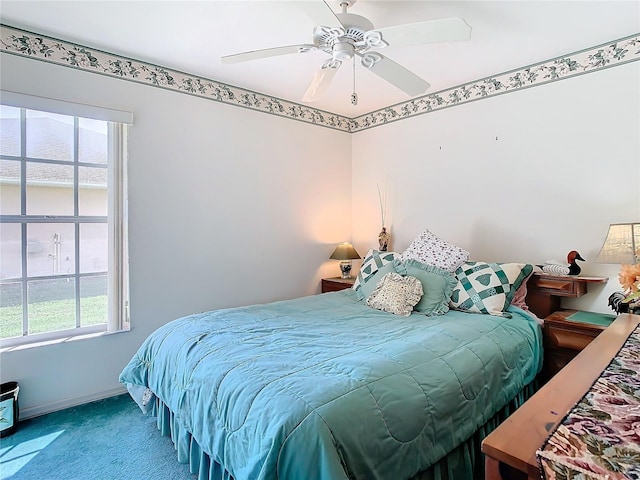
{"points": [[342, 51]]}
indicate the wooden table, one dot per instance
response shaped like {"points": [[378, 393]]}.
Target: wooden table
{"points": [[510, 450]]}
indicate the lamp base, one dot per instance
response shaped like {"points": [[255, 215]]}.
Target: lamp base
{"points": [[345, 268]]}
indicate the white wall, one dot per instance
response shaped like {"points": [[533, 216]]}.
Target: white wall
{"points": [[227, 207], [526, 176], [230, 207]]}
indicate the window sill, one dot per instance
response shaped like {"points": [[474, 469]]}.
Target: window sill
{"points": [[27, 342]]}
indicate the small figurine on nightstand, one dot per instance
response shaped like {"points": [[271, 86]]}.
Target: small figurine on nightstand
{"points": [[383, 239], [554, 268]]}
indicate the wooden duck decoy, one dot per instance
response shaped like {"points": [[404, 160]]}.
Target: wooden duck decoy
{"points": [[559, 269]]}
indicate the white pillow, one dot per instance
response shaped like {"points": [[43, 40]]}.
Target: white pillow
{"points": [[396, 294], [430, 249]]}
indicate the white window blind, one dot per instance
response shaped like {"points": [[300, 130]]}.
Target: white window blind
{"points": [[45, 104]]}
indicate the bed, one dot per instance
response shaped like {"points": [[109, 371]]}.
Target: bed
{"points": [[325, 387], [400, 377]]}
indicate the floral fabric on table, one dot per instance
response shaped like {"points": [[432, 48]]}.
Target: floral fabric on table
{"points": [[600, 437]]}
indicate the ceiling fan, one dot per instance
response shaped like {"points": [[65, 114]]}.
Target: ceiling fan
{"points": [[345, 35]]}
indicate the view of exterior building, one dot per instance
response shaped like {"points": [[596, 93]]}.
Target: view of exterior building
{"points": [[54, 155]]}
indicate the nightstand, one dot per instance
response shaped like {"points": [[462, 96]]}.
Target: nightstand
{"points": [[336, 284], [564, 338], [544, 292]]}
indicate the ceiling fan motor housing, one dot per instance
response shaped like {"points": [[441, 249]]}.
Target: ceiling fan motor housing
{"points": [[343, 43], [351, 20]]}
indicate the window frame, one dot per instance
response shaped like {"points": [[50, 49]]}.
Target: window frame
{"points": [[116, 218]]}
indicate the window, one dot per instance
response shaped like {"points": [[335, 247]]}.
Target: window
{"points": [[63, 236]]}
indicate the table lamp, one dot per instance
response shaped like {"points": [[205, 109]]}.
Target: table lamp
{"points": [[622, 244], [345, 253]]}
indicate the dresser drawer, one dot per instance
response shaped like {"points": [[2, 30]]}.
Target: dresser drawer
{"points": [[559, 286], [570, 339], [336, 284]]}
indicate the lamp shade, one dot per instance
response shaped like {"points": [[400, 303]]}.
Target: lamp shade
{"points": [[344, 251], [622, 244]]}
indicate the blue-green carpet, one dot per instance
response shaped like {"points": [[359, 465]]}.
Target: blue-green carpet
{"points": [[103, 440]]}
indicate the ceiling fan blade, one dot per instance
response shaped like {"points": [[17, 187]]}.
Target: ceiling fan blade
{"points": [[394, 73], [266, 52], [321, 81], [320, 12], [433, 31]]}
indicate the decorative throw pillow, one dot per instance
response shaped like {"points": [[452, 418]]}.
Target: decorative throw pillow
{"points": [[396, 294], [373, 260], [519, 298], [488, 287], [367, 288], [430, 249], [437, 285]]}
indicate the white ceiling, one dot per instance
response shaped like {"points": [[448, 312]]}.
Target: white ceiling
{"points": [[191, 36]]}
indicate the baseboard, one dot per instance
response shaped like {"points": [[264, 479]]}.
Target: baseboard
{"points": [[68, 403]]}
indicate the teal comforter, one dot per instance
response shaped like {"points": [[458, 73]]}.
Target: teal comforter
{"points": [[326, 388]]}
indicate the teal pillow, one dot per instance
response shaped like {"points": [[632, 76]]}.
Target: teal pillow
{"points": [[437, 285], [370, 284]]}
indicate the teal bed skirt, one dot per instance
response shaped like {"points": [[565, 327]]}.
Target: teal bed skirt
{"points": [[466, 462]]}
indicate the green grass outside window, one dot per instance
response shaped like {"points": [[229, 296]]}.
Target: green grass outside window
{"points": [[53, 315]]}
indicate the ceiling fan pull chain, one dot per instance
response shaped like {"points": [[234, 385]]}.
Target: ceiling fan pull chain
{"points": [[354, 95]]}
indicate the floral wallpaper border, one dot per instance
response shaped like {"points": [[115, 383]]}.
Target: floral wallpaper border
{"points": [[617, 52], [32, 45], [27, 44]]}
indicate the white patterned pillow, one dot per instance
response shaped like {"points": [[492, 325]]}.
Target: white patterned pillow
{"points": [[373, 260], [488, 287], [430, 249], [396, 294]]}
